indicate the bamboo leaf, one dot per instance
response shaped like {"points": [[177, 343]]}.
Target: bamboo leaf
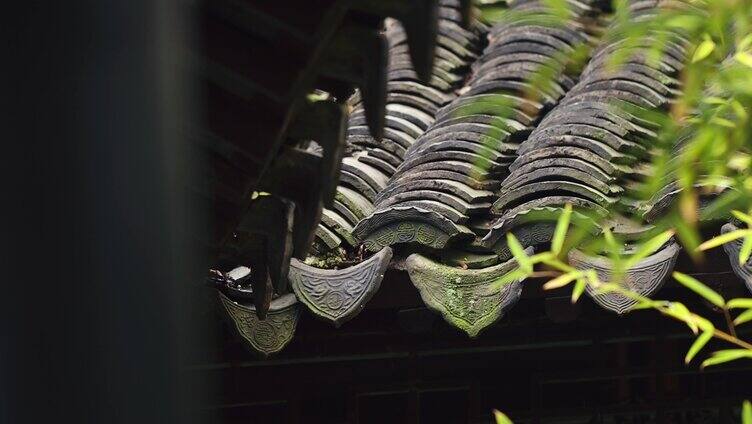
{"points": [[562, 224], [723, 239], [727, 355], [542, 257], [723, 122], [679, 311], [744, 317], [723, 203], [511, 276], [519, 253], [739, 110], [613, 249], [744, 43], [685, 22], [711, 361], [698, 344], [703, 50], [648, 248], [645, 304], [501, 418], [703, 323], [732, 354], [747, 412], [579, 287], [610, 240], [706, 292], [592, 278], [559, 265], [742, 217], [744, 58], [745, 250], [713, 100], [562, 280], [606, 288], [739, 303]]}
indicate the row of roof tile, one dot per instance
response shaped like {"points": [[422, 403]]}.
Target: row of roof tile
{"points": [[459, 169]]}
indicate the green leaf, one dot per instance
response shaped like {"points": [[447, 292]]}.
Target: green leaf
{"points": [[744, 43], [256, 194], [703, 50], [562, 224], [648, 248], [606, 288], [744, 317], [747, 412], [501, 418], [724, 238], [511, 276], [613, 249], [721, 205], [559, 8], [542, 257], [679, 311], [744, 58], [684, 22], [745, 251], [739, 109], [645, 304], [742, 302], [562, 280], [742, 217], [703, 323], [611, 242], [698, 344], [519, 253], [727, 355], [706, 292], [592, 278], [318, 96], [579, 287], [713, 100], [723, 122]]}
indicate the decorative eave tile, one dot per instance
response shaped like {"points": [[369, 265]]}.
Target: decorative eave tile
{"points": [[645, 278], [466, 298], [337, 295], [743, 271], [268, 336]]}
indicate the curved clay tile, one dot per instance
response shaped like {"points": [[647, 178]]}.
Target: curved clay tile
{"points": [[337, 295], [466, 298], [336, 282], [410, 224], [267, 336], [533, 224], [440, 197], [743, 271], [452, 169], [589, 150], [645, 278], [441, 190], [410, 110]]}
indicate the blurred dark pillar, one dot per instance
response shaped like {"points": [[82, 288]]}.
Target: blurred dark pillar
{"points": [[97, 246]]}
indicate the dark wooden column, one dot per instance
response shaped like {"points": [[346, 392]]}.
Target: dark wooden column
{"points": [[96, 258]]}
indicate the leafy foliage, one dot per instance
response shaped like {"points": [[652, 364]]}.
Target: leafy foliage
{"points": [[701, 151]]}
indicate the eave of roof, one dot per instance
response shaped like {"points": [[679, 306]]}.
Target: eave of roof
{"points": [[422, 193]]}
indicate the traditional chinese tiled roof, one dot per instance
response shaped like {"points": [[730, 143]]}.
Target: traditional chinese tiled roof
{"points": [[470, 156]]}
